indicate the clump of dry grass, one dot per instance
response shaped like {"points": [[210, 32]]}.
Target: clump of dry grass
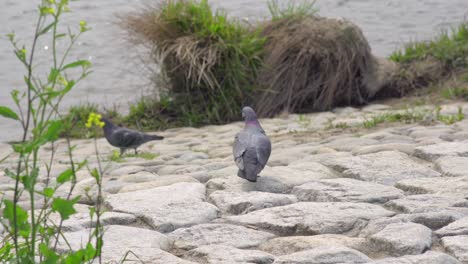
{"points": [[211, 61], [297, 61], [312, 63]]}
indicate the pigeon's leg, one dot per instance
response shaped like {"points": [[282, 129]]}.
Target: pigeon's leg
{"points": [[122, 151]]}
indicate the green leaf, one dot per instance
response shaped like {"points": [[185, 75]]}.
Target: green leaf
{"points": [[29, 181], [53, 75], [5, 252], [54, 130], [78, 63], [22, 223], [8, 113], [65, 176], [94, 172], [50, 257], [48, 192], [45, 29], [64, 207]]}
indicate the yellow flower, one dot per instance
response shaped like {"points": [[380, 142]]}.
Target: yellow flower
{"points": [[94, 120]]}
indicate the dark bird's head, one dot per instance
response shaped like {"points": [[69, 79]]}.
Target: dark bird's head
{"points": [[249, 114], [107, 123]]}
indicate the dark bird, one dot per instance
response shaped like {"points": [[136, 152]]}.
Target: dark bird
{"points": [[125, 138], [251, 148]]}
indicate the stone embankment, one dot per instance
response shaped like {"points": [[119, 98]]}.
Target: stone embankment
{"points": [[333, 192]]}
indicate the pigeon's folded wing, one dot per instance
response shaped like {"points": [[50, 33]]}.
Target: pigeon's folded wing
{"points": [[263, 147], [126, 137], [241, 142]]}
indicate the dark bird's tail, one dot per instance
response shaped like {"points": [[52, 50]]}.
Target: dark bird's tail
{"points": [[153, 137]]}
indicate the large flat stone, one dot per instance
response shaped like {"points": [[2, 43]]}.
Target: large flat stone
{"points": [[324, 255], [313, 218], [166, 208], [346, 190], [288, 245], [435, 151], [218, 234], [385, 167], [429, 257], [457, 228], [401, 239], [244, 202], [427, 203], [282, 179], [118, 240], [350, 143], [452, 166], [158, 181], [457, 246], [215, 254], [439, 185]]}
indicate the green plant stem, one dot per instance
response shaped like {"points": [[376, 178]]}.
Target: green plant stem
{"points": [[25, 133]]}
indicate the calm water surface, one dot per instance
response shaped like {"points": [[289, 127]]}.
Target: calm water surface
{"points": [[118, 78]]}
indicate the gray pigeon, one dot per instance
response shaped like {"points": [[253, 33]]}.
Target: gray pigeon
{"points": [[251, 148], [125, 138]]}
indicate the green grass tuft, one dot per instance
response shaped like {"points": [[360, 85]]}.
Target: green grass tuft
{"points": [[455, 93], [292, 9], [451, 49], [115, 156]]}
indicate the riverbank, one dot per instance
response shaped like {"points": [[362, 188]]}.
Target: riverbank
{"points": [[118, 80], [337, 186]]}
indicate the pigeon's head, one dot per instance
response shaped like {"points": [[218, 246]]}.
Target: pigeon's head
{"points": [[107, 122], [249, 114]]}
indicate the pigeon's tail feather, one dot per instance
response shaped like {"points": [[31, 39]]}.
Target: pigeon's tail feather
{"points": [[243, 175], [153, 137]]}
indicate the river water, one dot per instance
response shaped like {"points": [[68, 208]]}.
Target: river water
{"points": [[118, 76]]}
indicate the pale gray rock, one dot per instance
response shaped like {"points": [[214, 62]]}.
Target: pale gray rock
{"points": [[435, 151], [230, 184], [166, 208], [215, 254], [346, 190], [324, 158], [452, 165], [82, 220], [459, 227], [457, 246], [159, 181], [218, 234], [244, 202], [324, 255], [141, 176], [433, 132], [113, 186], [401, 239], [429, 257], [385, 167], [126, 170], [138, 255], [179, 169], [349, 143], [291, 244], [427, 203], [119, 240], [313, 218], [191, 156], [282, 179], [438, 218], [439, 185], [406, 148]]}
